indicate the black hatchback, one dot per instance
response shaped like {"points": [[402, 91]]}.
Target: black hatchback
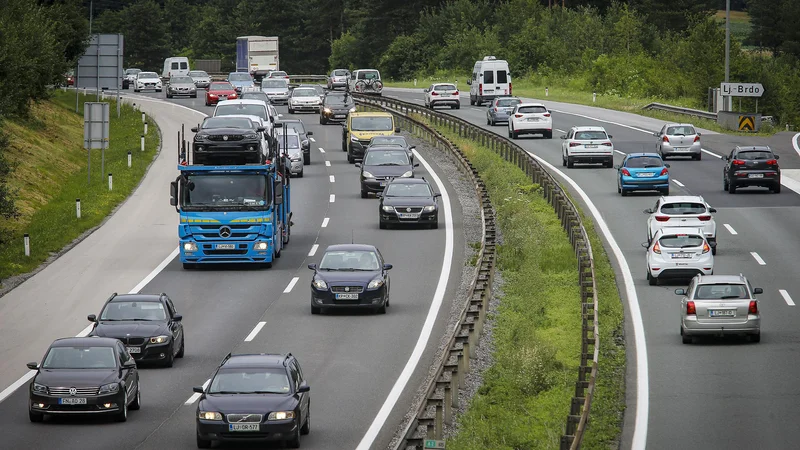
{"points": [[350, 276], [751, 166], [381, 165]]}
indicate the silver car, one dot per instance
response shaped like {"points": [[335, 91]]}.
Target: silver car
{"points": [[678, 139], [277, 89], [719, 305], [304, 99], [130, 76], [338, 78], [181, 85], [500, 109], [294, 151], [201, 78]]}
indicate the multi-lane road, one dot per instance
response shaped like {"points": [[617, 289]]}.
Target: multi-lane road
{"points": [[717, 393], [357, 364]]}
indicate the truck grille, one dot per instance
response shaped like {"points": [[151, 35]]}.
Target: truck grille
{"points": [[211, 232], [352, 289], [80, 392]]}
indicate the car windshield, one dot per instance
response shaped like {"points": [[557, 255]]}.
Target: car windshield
{"points": [[80, 358], [255, 96], [386, 158], [296, 126], [147, 75], [221, 87], [338, 100], [227, 122], [349, 260], [444, 88], [134, 311], [683, 208], [506, 102], [241, 110], [720, 291], [340, 73], [239, 77], [755, 155], [681, 240], [304, 92], [372, 124], [132, 71], [250, 381], [388, 140], [680, 131], [293, 141], [589, 135], [273, 84], [643, 162], [177, 80], [408, 190], [278, 74], [532, 109], [226, 192], [368, 75], [198, 73]]}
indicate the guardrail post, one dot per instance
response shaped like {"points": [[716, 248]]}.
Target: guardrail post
{"points": [[439, 426], [462, 372], [448, 404]]}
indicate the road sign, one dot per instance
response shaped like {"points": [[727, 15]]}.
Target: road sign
{"points": [[742, 89], [95, 125], [747, 123], [101, 65], [430, 443]]}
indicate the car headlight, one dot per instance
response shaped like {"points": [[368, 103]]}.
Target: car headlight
{"points": [[353, 139], [407, 174], [353, 109], [375, 284], [366, 174], [200, 137], [327, 110], [109, 388], [261, 246], [40, 388], [159, 339], [388, 208], [281, 415], [210, 415], [251, 136], [429, 208], [295, 157], [304, 143], [320, 284], [190, 246]]}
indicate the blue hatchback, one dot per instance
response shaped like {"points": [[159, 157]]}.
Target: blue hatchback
{"points": [[642, 172]]}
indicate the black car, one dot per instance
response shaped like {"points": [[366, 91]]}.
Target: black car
{"points": [[298, 126], [350, 276], [408, 201], [381, 165], [395, 139], [255, 95], [751, 166], [336, 107], [84, 375], [227, 140], [255, 397], [147, 324]]}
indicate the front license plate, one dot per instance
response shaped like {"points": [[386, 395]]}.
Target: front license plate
{"points": [[72, 401], [755, 175], [408, 215], [646, 174], [225, 246], [339, 116], [244, 427], [722, 313], [346, 296], [133, 350], [590, 146]]}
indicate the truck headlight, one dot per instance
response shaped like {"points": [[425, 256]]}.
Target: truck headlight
{"points": [[388, 208], [320, 284], [190, 246], [261, 246], [375, 284], [281, 415], [210, 415], [429, 208], [407, 174]]}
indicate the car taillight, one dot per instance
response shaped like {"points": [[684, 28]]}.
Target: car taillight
{"points": [[662, 218], [546, 114], [737, 162], [626, 172], [753, 309], [434, 93], [664, 171], [690, 309], [455, 93], [574, 144], [665, 139], [656, 248], [704, 218], [495, 109], [772, 162], [520, 115], [706, 248], [509, 88], [480, 89], [697, 139], [607, 144]]}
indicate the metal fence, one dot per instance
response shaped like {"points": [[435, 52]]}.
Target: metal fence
{"points": [[436, 407], [681, 110]]}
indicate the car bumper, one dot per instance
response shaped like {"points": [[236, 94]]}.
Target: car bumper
{"points": [[374, 184], [669, 150], [672, 273], [219, 431], [533, 127], [445, 101], [146, 351], [594, 157], [243, 252], [499, 116], [180, 93], [743, 178], [46, 404], [367, 299], [305, 106], [278, 99], [644, 184], [424, 218], [336, 84], [202, 84], [296, 167], [149, 88], [692, 327], [335, 116]]}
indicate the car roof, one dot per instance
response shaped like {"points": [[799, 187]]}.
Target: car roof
{"points": [[93, 341], [350, 247], [409, 181], [678, 125], [142, 73], [754, 147], [386, 147], [638, 155], [682, 199], [443, 84], [137, 298], [388, 136], [711, 279], [370, 114], [242, 102], [255, 360], [530, 104], [588, 128], [680, 230]]}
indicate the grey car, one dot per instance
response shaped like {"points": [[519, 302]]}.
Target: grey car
{"points": [[678, 139], [183, 85], [294, 150], [338, 78], [201, 78], [719, 305], [500, 109], [300, 128], [277, 89]]}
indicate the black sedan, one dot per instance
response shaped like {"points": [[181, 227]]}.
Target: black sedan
{"points": [[298, 126], [336, 107], [395, 139], [228, 140], [408, 201], [148, 325], [381, 165], [751, 166], [350, 276], [84, 375], [262, 397]]}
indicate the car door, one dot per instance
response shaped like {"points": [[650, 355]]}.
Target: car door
{"points": [[297, 379], [651, 220], [175, 327], [660, 137], [128, 374]]}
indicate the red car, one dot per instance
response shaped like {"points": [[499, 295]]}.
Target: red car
{"points": [[70, 79], [220, 90]]}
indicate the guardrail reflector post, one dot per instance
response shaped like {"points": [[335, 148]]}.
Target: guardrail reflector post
{"points": [[594, 97], [27, 240], [143, 115], [141, 143], [78, 208], [129, 160], [110, 182], [546, 92], [145, 128]]}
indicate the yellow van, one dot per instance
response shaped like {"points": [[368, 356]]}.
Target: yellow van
{"points": [[360, 127]]}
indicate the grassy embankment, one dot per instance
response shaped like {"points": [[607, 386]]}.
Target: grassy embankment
{"points": [[525, 397], [51, 165]]}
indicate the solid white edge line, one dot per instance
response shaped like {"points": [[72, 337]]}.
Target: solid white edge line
{"points": [[196, 395], [711, 153], [560, 131], [291, 285], [313, 250], [255, 331], [621, 153], [678, 183], [325, 222], [639, 440], [155, 272], [17, 384], [786, 297], [333, 179], [430, 320], [758, 258], [327, 163], [321, 150], [795, 143], [730, 229], [312, 139], [333, 198]]}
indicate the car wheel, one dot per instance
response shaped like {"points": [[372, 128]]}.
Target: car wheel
{"points": [[724, 184], [665, 191], [381, 309], [307, 159], [307, 424], [610, 163], [714, 250], [563, 161], [509, 131], [471, 101], [699, 157], [208, 104], [382, 225], [194, 96], [135, 90], [350, 158], [291, 111], [548, 135], [623, 192], [435, 225], [756, 338], [731, 188], [651, 280], [137, 402], [777, 188], [364, 194], [189, 266], [570, 162], [182, 351], [315, 309], [122, 416], [169, 96], [35, 417], [294, 442], [685, 338], [203, 443], [458, 105], [514, 133]]}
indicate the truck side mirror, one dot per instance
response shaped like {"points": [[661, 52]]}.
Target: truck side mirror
{"points": [[173, 193], [278, 193]]}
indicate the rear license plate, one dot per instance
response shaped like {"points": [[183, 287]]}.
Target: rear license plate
{"points": [[346, 296], [132, 350], [532, 119], [646, 174], [681, 149], [755, 175], [722, 313], [681, 255], [225, 246], [408, 215], [244, 427], [72, 401], [590, 146]]}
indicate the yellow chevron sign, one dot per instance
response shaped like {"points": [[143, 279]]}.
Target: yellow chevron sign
{"points": [[747, 123]]}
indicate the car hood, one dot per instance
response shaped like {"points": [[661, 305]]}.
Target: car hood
{"points": [[248, 403], [76, 377], [387, 171], [275, 90], [149, 80], [408, 201], [220, 92], [310, 98], [366, 135], [241, 83], [354, 277], [225, 131], [338, 108], [124, 329], [183, 85]]}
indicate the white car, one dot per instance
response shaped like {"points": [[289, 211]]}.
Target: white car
{"points": [[366, 81], [147, 81], [683, 211], [444, 94], [587, 145], [201, 78], [304, 99], [678, 253], [530, 118]]}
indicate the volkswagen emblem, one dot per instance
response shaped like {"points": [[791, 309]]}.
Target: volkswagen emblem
{"points": [[224, 138], [408, 209], [347, 288], [225, 232], [73, 391]]}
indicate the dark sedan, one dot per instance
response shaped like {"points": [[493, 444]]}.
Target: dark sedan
{"points": [[751, 166], [395, 139], [336, 107], [298, 126], [257, 397], [255, 95], [148, 325], [227, 140], [84, 375], [350, 276], [408, 201], [381, 165]]}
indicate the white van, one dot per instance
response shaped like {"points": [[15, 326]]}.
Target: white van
{"points": [[175, 66], [490, 79]]}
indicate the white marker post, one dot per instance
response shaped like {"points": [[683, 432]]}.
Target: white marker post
{"points": [[142, 143], [143, 116], [27, 240], [594, 97], [546, 92], [110, 182], [145, 128], [78, 208], [129, 160]]}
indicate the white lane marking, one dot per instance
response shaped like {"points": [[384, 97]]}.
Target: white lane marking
{"points": [[621, 153], [255, 331], [333, 198], [325, 222], [560, 131], [427, 327], [291, 285], [321, 150], [639, 440], [758, 258], [155, 272], [786, 297], [312, 139], [678, 183], [795, 143], [604, 121], [327, 163], [196, 395], [730, 229], [709, 152], [313, 250], [333, 179]]}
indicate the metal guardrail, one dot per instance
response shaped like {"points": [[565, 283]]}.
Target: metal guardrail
{"points": [[681, 110], [435, 408]]}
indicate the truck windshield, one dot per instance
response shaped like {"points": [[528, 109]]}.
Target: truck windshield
{"points": [[228, 192]]}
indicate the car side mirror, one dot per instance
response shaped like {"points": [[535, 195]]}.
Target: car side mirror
{"points": [[680, 291], [699, 134], [777, 156], [666, 165], [379, 194], [617, 166], [712, 210], [304, 387], [648, 211], [261, 129], [645, 244], [725, 157], [610, 136], [413, 147], [129, 364], [469, 82], [655, 134], [310, 133], [91, 318], [563, 136], [312, 266], [358, 165], [758, 291], [177, 317], [437, 195], [195, 129], [33, 365], [416, 165], [397, 130], [198, 389], [387, 267]]}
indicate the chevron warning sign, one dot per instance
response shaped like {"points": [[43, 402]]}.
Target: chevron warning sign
{"points": [[747, 123]]}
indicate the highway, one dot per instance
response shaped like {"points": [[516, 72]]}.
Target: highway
{"points": [[715, 393], [352, 360]]}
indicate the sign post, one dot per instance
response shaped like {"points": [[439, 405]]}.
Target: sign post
{"points": [[95, 132]]}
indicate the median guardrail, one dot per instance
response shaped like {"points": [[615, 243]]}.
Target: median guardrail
{"points": [[681, 110], [442, 393]]}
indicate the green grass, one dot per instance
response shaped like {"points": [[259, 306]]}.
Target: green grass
{"points": [[50, 174]]}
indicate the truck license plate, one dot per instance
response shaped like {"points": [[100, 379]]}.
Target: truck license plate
{"points": [[225, 246], [346, 296]]}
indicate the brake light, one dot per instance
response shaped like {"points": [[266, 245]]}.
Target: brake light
{"points": [[665, 139], [607, 144], [656, 248], [753, 309], [626, 172], [480, 89], [704, 218], [520, 115], [706, 248], [697, 139], [546, 114], [455, 93], [574, 144], [662, 218], [664, 171], [434, 93], [772, 162], [737, 162], [690, 309], [495, 109], [509, 88]]}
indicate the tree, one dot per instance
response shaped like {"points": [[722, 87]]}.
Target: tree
{"points": [[8, 208], [147, 38], [674, 15]]}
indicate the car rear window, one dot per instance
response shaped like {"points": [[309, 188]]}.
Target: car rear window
{"points": [[444, 88], [502, 76], [505, 102], [532, 109], [273, 84], [682, 130], [488, 76], [339, 73], [590, 135], [681, 240], [641, 162], [720, 291], [683, 208], [368, 75], [241, 109], [754, 155]]}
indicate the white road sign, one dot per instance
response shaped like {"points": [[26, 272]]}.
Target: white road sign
{"points": [[742, 89]]}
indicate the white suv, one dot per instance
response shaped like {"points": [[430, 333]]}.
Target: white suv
{"points": [[679, 252], [683, 211], [530, 118], [442, 94], [587, 145], [365, 81]]}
